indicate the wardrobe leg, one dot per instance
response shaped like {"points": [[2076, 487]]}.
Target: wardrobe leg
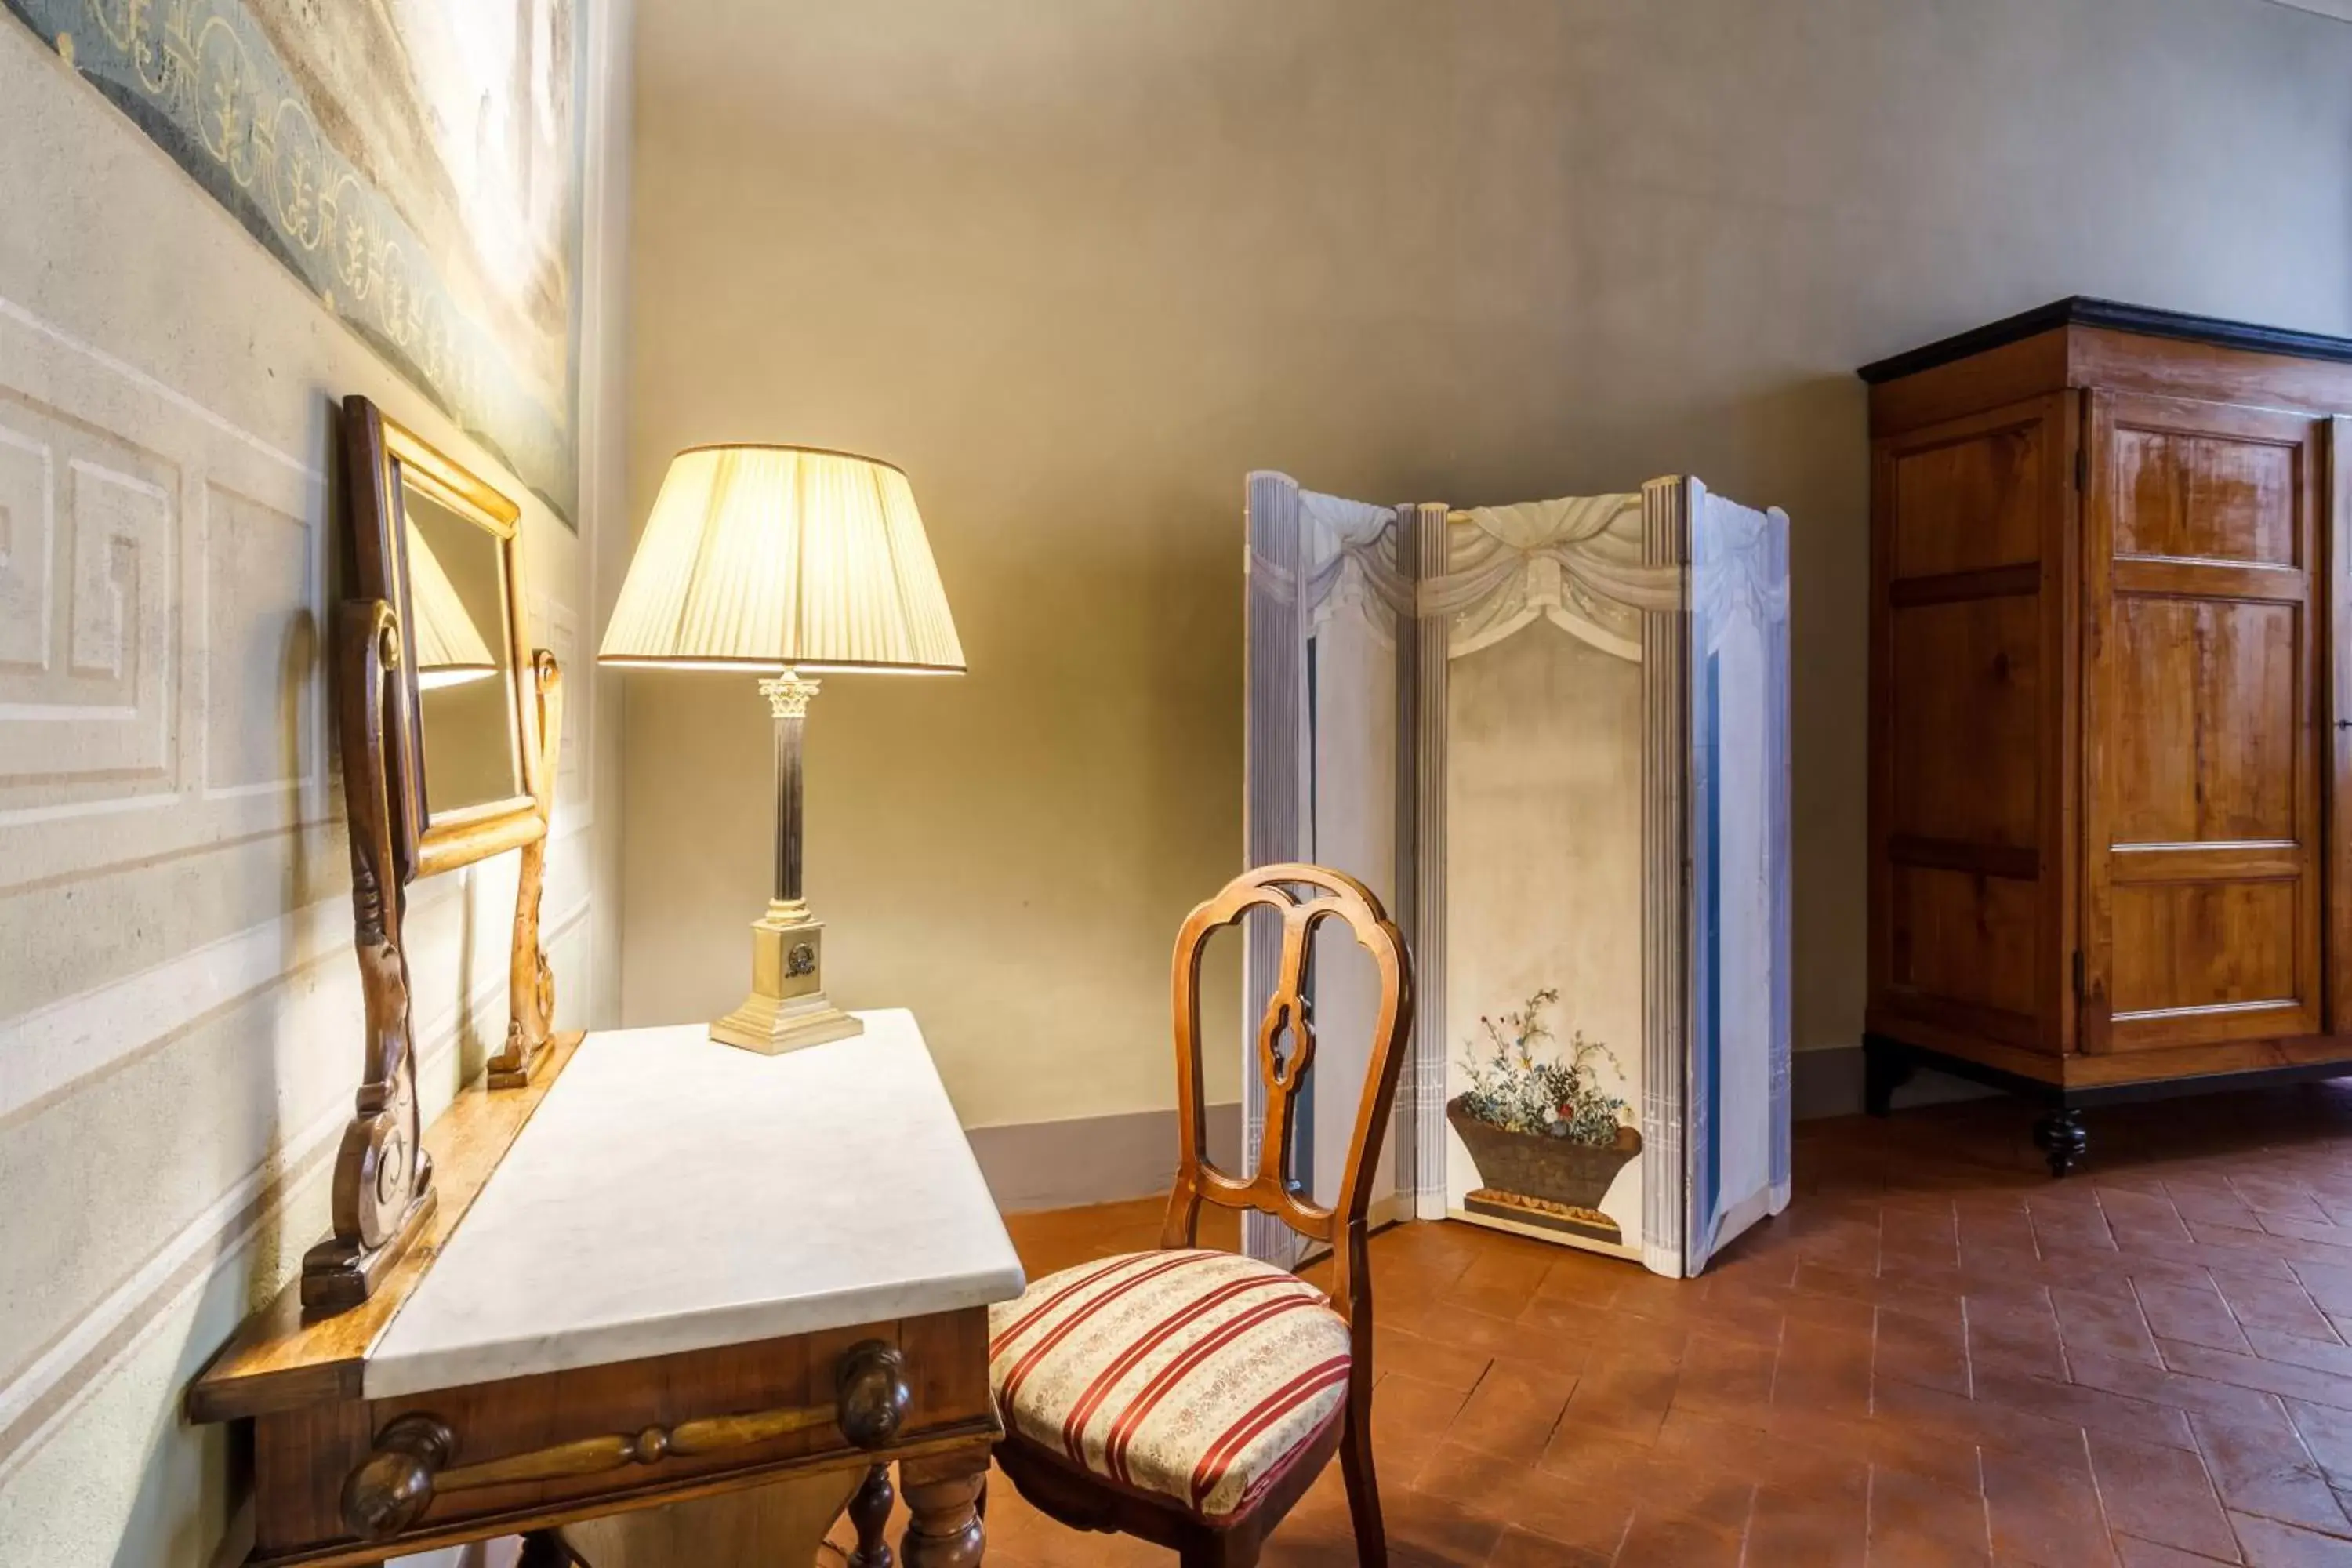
{"points": [[2062, 1139], [1885, 1067]]}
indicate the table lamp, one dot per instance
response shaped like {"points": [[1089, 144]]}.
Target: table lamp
{"points": [[788, 560]]}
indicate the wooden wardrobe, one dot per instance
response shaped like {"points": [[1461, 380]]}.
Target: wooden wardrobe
{"points": [[2110, 716]]}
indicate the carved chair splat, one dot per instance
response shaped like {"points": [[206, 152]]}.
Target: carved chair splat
{"points": [[1303, 896]]}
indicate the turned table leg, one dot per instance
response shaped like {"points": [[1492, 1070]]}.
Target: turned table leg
{"points": [[869, 1514], [944, 1529]]}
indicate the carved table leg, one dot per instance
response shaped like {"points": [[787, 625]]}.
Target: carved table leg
{"points": [[869, 1512], [943, 1497], [2062, 1139], [1885, 1067]]}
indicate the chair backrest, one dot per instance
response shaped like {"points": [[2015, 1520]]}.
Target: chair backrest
{"points": [[1305, 896]]}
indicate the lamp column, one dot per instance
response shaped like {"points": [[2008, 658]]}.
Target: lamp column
{"points": [[787, 1008]]}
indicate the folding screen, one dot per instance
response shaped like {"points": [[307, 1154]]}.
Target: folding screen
{"points": [[1553, 738]]}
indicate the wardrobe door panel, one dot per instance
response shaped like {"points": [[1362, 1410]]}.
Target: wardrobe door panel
{"points": [[2203, 685]]}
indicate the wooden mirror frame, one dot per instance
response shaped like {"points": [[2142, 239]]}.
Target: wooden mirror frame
{"points": [[384, 1182], [383, 457]]}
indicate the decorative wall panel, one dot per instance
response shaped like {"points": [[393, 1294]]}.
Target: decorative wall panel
{"points": [[179, 1011]]}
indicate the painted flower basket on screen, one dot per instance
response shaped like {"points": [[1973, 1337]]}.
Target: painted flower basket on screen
{"points": [[1546, 1136]]}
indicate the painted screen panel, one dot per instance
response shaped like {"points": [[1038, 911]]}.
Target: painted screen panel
{"points": [[1544, 985], [1545, 725], [1740, 1014], [1352, 812]]}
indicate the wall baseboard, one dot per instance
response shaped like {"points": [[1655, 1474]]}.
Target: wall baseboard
{"points": [[1092, 1159], [1829, 1083]]}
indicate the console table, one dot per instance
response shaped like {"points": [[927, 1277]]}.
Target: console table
{"points": [[663, 1271]]}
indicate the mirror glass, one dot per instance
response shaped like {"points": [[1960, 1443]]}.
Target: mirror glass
{"points": [[459, 641]]}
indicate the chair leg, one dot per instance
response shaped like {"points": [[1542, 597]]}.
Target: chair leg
{"points": [[1363, 1485], [1223, 1553]]}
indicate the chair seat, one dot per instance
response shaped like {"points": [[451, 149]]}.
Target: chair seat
{"points": [[1189, 1376]]}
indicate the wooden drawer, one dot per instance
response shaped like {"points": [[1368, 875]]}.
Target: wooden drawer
{"points": [[558, 1445]]}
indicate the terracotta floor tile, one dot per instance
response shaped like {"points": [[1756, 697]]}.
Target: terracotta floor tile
{"points": [[2253, 1371], [1581, 1448], [1918, 1523], [2283, 1305], [2215, 1205], [1993, 1219], [1656, 1541], [2106, 1324], [2298, 1349], [2065, 1224], [1983, 1422], [2196, 1316], [2138, 1553], [1583, 1278], [1482, 1333], [1409, 1418], [2162, 1387], [1915, 1350], [1572, 1319], [1816, 1531], [2279, 1243], [2020, 1330], [2143, 1220], [1728, 1379], [1512, 1411], [1499, 1283], [2042, 1512], [1587, 1507], [2328, 1435], [2160, 1495], [2261, 1467], [1754, 1313], [1824, 1370], [2272, 1544], [1713, 1486], [2330, 1284], [2269, 1196], [1624, 1394], [2092, 1409], [1431, 1359], [1525, 1549], [2242, 1251]]}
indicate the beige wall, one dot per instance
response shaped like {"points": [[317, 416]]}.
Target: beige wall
{"points": [[1079, 267], [180, 1020]]}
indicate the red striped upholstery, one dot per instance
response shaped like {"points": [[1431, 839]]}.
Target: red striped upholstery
{"points": [[1192, 1375]]}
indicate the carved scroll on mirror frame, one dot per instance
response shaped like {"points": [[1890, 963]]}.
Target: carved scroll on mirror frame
{"points": [[449, 723]]}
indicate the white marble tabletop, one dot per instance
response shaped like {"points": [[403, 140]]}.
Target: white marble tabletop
{"points": [[673, 1194]]}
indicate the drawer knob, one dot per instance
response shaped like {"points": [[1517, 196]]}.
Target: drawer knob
{"points": [[392, 1490], [874, 1396]]}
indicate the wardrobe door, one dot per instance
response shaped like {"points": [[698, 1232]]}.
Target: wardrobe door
{"points": [[2202, 687]]}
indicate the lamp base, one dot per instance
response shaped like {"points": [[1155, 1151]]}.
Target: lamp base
{"points": [[787, 1009]]}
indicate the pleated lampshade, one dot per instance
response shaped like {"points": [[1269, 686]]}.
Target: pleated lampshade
{"points": [[769, 557], [442, 639]]}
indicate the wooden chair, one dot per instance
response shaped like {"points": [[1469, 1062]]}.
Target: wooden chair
{"points": [[1191, 1398]]}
